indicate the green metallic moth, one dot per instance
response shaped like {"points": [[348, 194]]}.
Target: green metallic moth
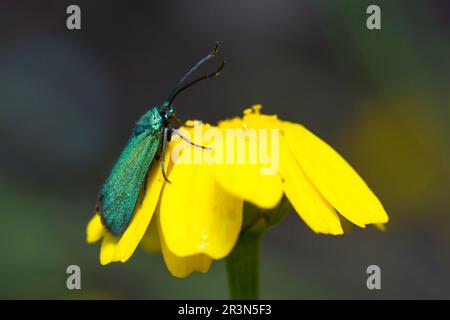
{"points": [[120, 193]]}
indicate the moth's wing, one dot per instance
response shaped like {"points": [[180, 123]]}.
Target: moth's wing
{"points": [[120, 192]]}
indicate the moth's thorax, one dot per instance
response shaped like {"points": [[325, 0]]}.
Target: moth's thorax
{"points": [[152, 119]]}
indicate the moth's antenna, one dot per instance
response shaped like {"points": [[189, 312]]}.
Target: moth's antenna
{"points": [[211, 55], [177, 88], [211, 75]]}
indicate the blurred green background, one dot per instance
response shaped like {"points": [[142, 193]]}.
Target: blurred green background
{"points": [[68, 100]]}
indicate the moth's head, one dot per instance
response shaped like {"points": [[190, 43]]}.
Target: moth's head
{"points": [[167, 111]]}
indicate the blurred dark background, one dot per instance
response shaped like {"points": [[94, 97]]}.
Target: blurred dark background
{"points": [[68, 100]]}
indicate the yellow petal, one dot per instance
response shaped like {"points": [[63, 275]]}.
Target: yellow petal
{"points": [[254, 119], [150, 242], [246, 181], [95, 229], [310, 205], [250, 167], [181, 267], [334, 177], [107, 249], [197, 215]]}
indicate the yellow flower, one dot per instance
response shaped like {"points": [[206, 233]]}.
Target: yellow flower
{"points": [[316, 179], [198, 217]]}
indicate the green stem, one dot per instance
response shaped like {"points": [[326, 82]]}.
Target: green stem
{"points": [[243, 267], [243, 262]]}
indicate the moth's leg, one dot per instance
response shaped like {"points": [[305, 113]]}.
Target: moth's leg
{"points": [[189, 141], [163, 153]]}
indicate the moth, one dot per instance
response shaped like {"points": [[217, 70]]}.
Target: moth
{"points": [[120, 193]]}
